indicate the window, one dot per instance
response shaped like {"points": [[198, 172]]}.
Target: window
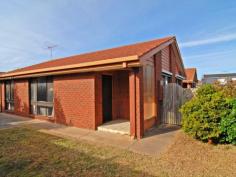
{"points": [[9, 95], [41, 96], [166, 79], [179, 81], [222, 81]]}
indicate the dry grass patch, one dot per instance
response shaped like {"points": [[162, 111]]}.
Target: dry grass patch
{"points": [[189, 157], [27, 152]]}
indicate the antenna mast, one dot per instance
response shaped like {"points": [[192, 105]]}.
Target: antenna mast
{"points": [[50, 48]]}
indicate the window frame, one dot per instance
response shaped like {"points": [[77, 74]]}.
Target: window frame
{"points": [[166, 79], [9, 98], [179, 81], [35, 104]]}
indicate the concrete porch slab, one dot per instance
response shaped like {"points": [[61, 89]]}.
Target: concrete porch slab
{"points": [[119, 126]]}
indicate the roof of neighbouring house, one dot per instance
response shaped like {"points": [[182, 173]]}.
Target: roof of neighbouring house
{"points": [[220, 75], [190, 75], [124, 53]]}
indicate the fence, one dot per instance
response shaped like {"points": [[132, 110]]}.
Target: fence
{"points": [[174, 97]]}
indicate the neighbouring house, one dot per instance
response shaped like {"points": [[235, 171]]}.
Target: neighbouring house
{"points": [[90, 89], [191, 78], [221, 78]]}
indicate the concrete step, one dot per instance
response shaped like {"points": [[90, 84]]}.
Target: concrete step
{"points": [[119, 126]]}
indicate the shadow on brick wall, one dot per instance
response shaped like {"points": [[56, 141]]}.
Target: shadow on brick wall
{"points": [[59, 114]]}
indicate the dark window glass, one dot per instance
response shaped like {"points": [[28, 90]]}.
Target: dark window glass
{"points": [[9, 95], [12, 91], [42, 90], [8, 90]]}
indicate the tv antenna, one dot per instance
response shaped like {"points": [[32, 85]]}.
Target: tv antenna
{"points": [[51, 48]]}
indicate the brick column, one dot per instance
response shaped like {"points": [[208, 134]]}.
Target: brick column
{"points": [[132, 98], [136, 103], [98, 100], [2, 97]]}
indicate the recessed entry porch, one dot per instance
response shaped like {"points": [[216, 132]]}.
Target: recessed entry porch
{"points": [[115, 102]]}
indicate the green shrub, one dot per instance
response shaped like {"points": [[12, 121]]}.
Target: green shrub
{"points": [[228, 90], [228, 125], [201, 116]]}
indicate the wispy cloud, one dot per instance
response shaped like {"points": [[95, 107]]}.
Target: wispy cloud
{"points": [[210, 54], [211, 40]]}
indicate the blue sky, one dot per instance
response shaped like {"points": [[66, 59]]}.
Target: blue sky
{"points": [[205, 29]]}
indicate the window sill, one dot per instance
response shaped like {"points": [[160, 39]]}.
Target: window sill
{"points": [[8, 111], [52, 119]]}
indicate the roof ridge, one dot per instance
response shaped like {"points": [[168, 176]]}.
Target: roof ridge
{"points": [[106, 49], [168, 37], [99, 51], [138, 49]]}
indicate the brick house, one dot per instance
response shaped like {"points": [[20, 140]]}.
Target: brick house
{"points": [[191, 78], [90, 89]]}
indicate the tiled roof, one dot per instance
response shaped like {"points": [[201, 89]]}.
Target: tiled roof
{"points": [[124, 51], [190, 74]]}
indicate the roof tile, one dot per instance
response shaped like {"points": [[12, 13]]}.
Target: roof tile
{"points": [[190, 74], [135, 49]]}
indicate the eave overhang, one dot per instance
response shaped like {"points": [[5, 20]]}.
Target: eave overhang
{"points": [[102, 65]]}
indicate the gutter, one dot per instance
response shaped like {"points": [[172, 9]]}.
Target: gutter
{"points": [[122, 62], [118, 66], [72, 66], [179, 77]]}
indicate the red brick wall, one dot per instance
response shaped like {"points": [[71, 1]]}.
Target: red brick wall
{"points": [[74, 100], [149, 123], [136, 103], [98, 98], [21, 97], [139, 103]]}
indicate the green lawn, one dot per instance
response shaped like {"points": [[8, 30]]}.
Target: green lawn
{"points": [[27, 152]]}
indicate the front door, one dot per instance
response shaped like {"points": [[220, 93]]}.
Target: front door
{"points": [[107, 98]]}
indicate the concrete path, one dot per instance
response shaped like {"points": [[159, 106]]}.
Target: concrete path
{"points": [[155, 142]]}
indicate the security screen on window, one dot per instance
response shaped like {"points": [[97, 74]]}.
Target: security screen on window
{"points": [[41, 96]]}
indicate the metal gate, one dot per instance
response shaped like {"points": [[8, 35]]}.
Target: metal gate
{"points": [[174, 96]]}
